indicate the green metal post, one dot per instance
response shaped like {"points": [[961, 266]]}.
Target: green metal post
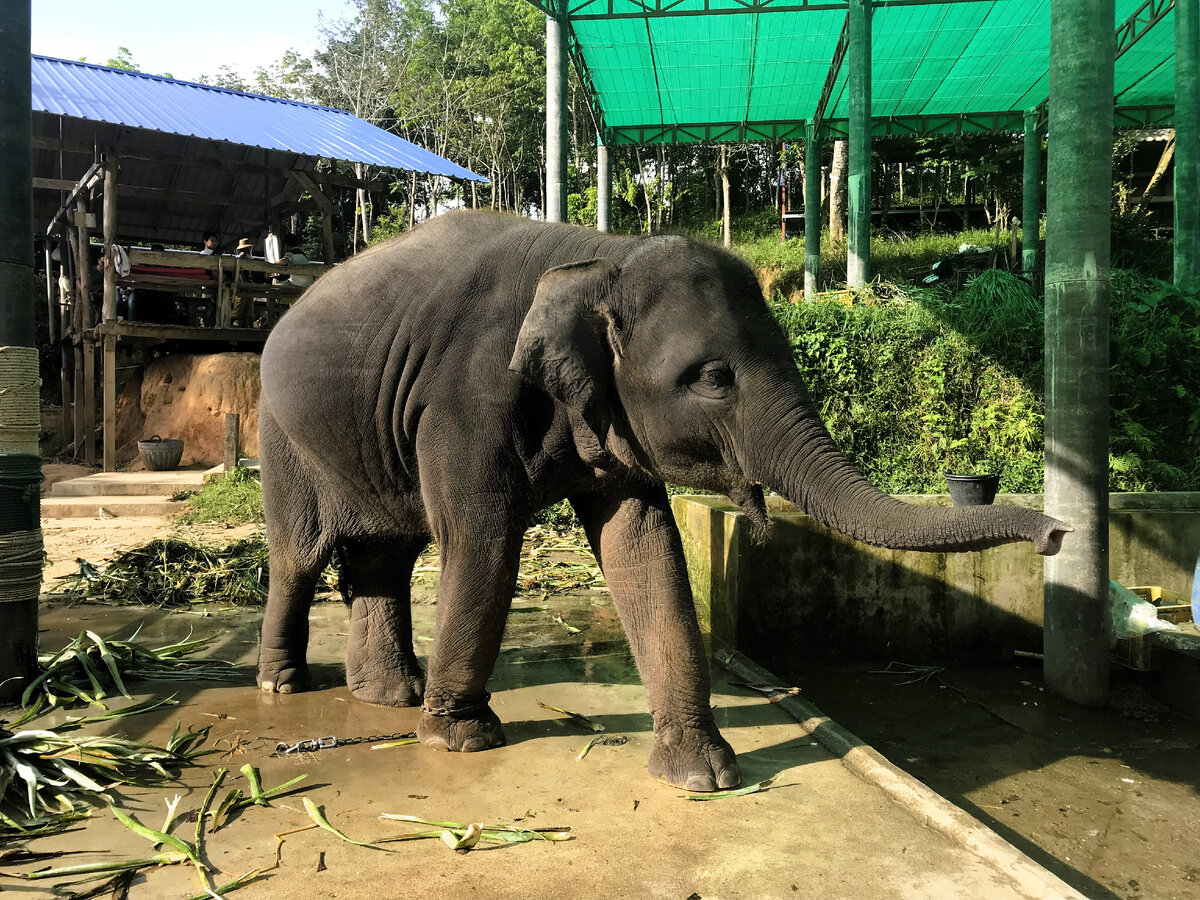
{"points": [[858, 182], [812, 211], [1031, 189], [20, 464], [1187, 134], [1078, 191], [603, 188], [556, 119]]}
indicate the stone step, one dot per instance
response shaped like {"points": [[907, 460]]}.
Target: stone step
{"points": [[127, 484], [113, 507]]}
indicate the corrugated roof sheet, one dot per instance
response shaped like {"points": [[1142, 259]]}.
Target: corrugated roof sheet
{"points": [[98, 93], [686, 70]]}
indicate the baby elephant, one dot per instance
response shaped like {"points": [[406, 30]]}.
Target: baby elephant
{"points": [[450, 383]]}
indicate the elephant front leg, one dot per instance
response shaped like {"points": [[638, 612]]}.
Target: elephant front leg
{"points": [[478, 577], [639, 549]]}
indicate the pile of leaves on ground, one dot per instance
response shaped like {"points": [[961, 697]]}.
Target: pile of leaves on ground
{"points": [[176, 573]]}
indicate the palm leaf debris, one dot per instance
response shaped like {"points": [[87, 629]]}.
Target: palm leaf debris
{"points": [[47, 778], [91, 669], [462, 836], [613, 740], [317, 815], [577, 718], [737, 792]]}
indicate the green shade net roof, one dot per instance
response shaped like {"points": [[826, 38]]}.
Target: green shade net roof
{"points": [[737, 70]]}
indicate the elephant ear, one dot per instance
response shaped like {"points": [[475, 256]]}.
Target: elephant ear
{"points": [[567, 345]]}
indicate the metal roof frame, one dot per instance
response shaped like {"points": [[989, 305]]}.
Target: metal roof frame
{"points": [[643, 82]]}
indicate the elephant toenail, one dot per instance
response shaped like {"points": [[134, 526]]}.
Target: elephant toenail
{"points": [[701, 783], [287, 689], [268, 687], [729, 778], [437, 743], [474, 745]]}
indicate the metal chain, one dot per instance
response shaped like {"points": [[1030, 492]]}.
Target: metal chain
{"points": [[283, 748]]}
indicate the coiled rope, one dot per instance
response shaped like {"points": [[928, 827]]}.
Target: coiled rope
{"points": [[20, 416], [21, 559]]}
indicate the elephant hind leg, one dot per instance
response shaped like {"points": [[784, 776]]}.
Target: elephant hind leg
{"points": [[381, 667], [283, 647], [297, 556]]}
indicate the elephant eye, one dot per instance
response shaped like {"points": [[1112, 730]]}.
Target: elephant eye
{"points": [[714, 379]]}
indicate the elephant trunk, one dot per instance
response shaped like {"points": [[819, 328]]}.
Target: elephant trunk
{"points": [[800, 460]]}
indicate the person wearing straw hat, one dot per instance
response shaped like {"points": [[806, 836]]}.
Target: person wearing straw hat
{"points": [[243, 307]]}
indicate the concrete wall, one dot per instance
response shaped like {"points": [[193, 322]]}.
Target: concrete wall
{"points": [[808, 590]]}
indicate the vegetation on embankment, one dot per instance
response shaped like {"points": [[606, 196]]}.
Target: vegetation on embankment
{"points": [[915, 381]]}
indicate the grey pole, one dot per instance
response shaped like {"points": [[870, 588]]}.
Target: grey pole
{"points": [[858, 183], [556, 119], [1078, 190], [1187, 134], [603, 188], [1031, 194], [20, 507], [812, 210]]}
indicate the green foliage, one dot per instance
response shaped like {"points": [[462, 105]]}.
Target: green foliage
{"points": [[559, 516], [581, 208], [233, 498], [388, 225], [919, 382], [1154, 385], [908, 397]]}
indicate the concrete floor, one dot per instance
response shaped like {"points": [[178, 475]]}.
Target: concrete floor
{"points": [[819, 831]]}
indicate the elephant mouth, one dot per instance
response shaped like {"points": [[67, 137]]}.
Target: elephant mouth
{"points": [[749, 496]]}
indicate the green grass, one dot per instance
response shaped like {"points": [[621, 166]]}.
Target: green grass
{"points": [[233, 498]]}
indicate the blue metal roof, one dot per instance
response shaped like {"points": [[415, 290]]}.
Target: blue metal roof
{"points": [[99, 93]]}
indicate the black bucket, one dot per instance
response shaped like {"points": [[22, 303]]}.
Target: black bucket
{"points": [[972, 490], [160, 454]]}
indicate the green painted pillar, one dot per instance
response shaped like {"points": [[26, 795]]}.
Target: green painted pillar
{"points": [[858, 182], [556, 119], [1187, 137], [1078, 192], [20, 464], [812, 211], [603, 188], [1031, 194]]}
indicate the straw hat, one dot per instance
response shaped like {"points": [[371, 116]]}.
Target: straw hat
{"points": [[245, 244]]}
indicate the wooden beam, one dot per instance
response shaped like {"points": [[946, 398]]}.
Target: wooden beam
{"points": [[80, 433], [153, 331], [232, 427], [80, 186], [306, 182]]}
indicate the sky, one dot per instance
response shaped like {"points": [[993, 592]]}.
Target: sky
{"points": [[184, 39]]}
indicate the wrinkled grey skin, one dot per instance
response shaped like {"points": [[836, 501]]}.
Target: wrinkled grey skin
{"points": [[450, 383]]}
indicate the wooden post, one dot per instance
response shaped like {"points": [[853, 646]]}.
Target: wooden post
{"points": [[109, 308], [108, 373], [232, 424], [89, 402], [327, 234], [108, 359]]}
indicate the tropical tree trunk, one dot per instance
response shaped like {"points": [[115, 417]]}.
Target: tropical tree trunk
{"points": [[726, 218], [837, 172]]}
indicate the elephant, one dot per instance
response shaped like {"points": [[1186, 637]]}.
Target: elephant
{"points": [[448, 384]]}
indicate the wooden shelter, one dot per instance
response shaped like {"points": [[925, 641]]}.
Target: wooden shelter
{"points": [[142, 163]]}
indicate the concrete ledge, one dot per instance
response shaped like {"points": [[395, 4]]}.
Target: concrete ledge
{"points": [[806, 589], [930, 808]]}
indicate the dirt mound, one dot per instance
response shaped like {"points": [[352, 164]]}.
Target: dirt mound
{"points": [[187, 396]]}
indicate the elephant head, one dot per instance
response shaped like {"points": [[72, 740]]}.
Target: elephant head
{"points": [[669, 362]]}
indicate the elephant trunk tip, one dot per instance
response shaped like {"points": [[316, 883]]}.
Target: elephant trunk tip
{"points": [[1048, 540], [749, 496]]}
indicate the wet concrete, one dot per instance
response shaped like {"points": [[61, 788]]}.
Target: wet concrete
{"points": [[820, 831]]}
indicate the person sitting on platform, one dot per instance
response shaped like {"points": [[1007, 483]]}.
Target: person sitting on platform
{"points": [[210, 243]]}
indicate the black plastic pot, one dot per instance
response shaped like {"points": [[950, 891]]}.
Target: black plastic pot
{"points": [[160, 454], [972, 490]]}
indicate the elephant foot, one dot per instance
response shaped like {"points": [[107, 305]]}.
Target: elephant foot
{"points": [[461, 727], [388, 689], [695, 758], [282, 676]]}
